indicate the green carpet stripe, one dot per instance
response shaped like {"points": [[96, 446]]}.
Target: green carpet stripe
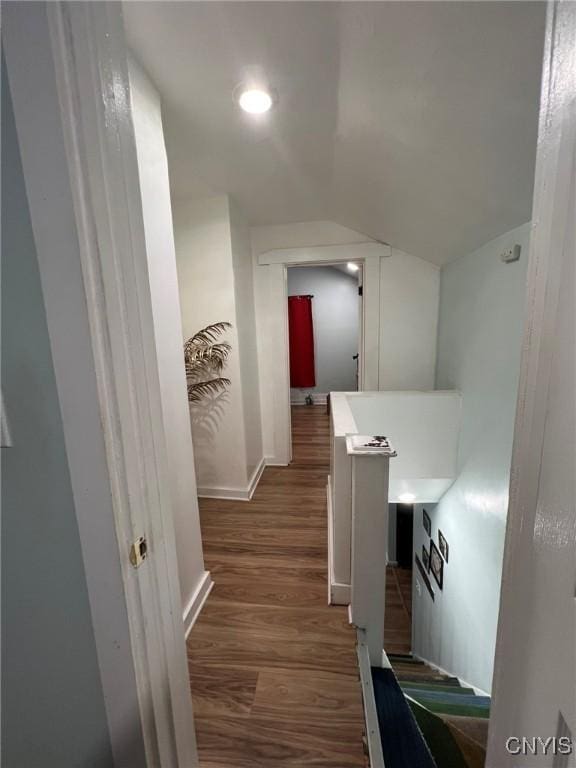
{"points": [[439, 738], [433, 687], [407, 678], [453, 709]]}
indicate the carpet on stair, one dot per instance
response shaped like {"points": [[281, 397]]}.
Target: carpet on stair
{"points": [[402, 742], [424, 686], [456, 697], [439, 738]]}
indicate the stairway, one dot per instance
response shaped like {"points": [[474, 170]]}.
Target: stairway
{"points": [[452, 718]]}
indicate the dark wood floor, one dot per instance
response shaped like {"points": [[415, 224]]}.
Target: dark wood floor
{"points": [[272, 667], [398, 622]]}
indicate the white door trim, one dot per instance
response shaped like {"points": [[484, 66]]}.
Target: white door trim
{"points": [[277, 262], [68, 73], [551, 218]]}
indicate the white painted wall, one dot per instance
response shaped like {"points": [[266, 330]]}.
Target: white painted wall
{"points": [[53, 705], [155, 191], [246, 329], [479, 342], [535, 671], [207, 295], [216, 283], [335, 314], [409, 295], [404, 336], [303, 234]]}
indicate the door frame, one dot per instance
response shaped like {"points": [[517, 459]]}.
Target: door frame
{"points": [[360, 315], [277, 262], [551, 217], [67, 68]]}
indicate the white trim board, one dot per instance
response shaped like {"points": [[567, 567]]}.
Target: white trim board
{"points": [[234, 494], [196, 602], [273, 265], [373, 737], [271, 462], [319, 254], [68, 75], [338, 594], [527, 579]]}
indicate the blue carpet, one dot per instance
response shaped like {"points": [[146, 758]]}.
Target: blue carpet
{"points": [[402, 742]]}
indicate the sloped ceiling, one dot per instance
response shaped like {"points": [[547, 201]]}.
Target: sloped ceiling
{"points": [[414, 123]]}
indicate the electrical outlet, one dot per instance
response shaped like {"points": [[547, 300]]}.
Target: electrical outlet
{"points": [[511, 254]]}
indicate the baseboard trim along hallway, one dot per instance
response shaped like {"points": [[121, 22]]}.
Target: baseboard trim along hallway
{"points": [[234, 494], [196, 602]]}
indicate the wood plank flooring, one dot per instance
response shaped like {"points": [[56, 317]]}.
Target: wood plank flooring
{"points": [[398, 624], [272, 667]]}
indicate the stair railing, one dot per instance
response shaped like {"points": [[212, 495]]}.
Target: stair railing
{"points": [[370, 472]]}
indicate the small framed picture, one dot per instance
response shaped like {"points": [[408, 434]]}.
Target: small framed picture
{"points": [[426, 522], [443, 544], [425, 558], [436, 564]]}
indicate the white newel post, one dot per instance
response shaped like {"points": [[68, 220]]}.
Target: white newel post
{"points": [[370, 460]]}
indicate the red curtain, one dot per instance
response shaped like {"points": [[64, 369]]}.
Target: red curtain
{"points": [[301, 335]]}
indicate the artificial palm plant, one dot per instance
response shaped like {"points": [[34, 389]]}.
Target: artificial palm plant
{"points": [[205, 358]]}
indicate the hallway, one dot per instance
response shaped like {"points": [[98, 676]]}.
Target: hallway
{"points": [[272, 667]]}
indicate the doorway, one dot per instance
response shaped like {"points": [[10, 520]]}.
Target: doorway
{"points": [[324, 330], [398, 627]]}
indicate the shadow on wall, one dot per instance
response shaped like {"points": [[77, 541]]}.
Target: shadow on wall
{"points": [[206, 417]]}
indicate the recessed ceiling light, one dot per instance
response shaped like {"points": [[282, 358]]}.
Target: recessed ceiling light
{"points": [[352, 267], [255, 101], [407, 498]]}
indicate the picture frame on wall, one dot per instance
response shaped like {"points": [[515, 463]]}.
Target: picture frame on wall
{"points": [[436, 564], [426, 522], [443, 545], [425, 558]]}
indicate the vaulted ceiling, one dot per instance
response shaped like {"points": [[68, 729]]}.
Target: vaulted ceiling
{"points": [[414, 123]]}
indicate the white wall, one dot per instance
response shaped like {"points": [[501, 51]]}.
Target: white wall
{"points": [[535, 671], [215, 281], [479, 341], [158, 229], [246, 328], [404, 341], [303, 234], [53, 707], [206, 282], [335, 314], [409, 295]]}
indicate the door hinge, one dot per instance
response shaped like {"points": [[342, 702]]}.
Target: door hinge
{"points": [[360, 290], [138, 551]]}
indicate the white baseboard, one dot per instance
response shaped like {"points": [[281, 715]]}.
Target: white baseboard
{"points": [[373, 738], [234, 494], [465, 683], [318, 398], [196, 602], [338, 594], [256, 475]]}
